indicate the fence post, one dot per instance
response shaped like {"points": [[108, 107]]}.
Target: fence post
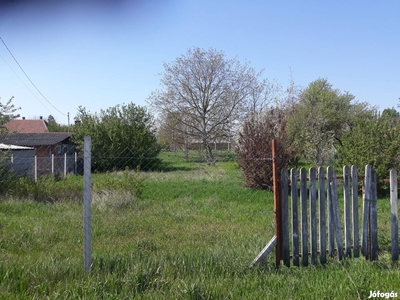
{"points": [[87, 203], [277, 205], [36, 169], [394, 215], [76, 163]]}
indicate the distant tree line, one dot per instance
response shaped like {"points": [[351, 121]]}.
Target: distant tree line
{"points": [[205, 98]]}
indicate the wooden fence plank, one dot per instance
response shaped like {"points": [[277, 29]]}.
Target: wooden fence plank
{"points": [[354, 196], [336, 217], [264, 252], [295, 217], [322, 218], [331, 232], [285, 218], [304, 218], [394, 215], [374, 217], [347, 216], [313, 215], [366, 210]]}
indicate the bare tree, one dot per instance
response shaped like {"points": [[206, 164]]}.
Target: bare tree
{"points": [[264, 96], [205, 93]]}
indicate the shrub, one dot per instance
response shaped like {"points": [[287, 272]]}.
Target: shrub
{"points": [[254, 149], [123, 135]]}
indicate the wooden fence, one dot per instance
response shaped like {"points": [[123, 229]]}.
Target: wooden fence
{"points": [[308, 221]]}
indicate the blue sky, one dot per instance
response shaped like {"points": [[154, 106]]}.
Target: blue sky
{"points": [[100, 53]]}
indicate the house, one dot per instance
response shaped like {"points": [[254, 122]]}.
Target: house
{"points": [[26, 126], [50, 149]]}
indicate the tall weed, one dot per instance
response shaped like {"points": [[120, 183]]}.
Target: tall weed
{"points": [[118, 190], [46, 189]]}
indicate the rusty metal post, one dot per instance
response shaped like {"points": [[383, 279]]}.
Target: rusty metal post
{"points": [[277, 205]]}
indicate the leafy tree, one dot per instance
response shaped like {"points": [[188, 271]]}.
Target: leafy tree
{"points": [[204, 93], [122, 136], [319, 119], [372, 139], [53, 126], [7, 111]]}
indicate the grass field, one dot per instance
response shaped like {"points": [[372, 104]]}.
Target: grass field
{"points": [[191, 234]]}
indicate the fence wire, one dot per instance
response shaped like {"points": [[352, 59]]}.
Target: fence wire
{"points": [[135, 202]]}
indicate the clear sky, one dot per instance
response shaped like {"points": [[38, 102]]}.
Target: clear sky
{"points": [[100, 53]]}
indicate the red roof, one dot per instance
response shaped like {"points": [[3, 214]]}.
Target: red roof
{"points": [[26, 126]]}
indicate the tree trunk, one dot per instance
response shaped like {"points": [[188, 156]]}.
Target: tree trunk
{"points": [[209, 155]]}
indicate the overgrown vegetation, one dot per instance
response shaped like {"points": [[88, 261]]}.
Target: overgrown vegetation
{"points": [[190, 233], [47, 189], [122, 136], [373, 139]]}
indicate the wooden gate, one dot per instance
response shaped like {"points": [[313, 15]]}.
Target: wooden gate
{"points": [[308, 221]]}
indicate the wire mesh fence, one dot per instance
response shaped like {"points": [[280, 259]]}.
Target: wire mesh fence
{"points": [[131, 204]]}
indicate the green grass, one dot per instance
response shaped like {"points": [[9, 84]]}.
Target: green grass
{"points": [[191, 234]]}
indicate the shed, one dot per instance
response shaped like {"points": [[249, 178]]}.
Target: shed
{"points": [[46, 145], [19, 158]]}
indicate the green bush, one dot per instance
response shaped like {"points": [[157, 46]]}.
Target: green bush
{"points": [[123, 135]]}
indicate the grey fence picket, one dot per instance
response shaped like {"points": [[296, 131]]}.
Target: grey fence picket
{"points": [[304, 218], [295, 217], [354, 195], [366, 210], [322, 218], [336, 216], [394, 215], [374, 217], [285, 216], [313, 215], [347, 215], [331, 233]]}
